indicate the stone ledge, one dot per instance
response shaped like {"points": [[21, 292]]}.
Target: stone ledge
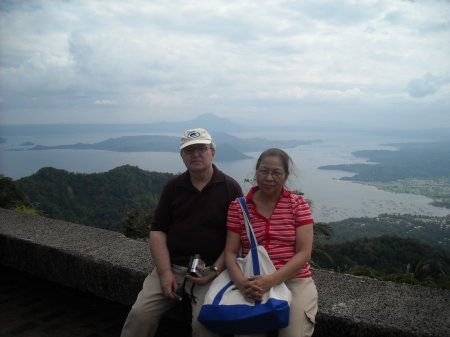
{"points": [[102, 262], [112, 266]]}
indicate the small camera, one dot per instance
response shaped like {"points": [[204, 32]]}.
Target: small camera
{"points": [[177, 296], [197, 266]]}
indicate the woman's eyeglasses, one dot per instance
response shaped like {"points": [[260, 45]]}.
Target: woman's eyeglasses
{"points": [[276, 174]]}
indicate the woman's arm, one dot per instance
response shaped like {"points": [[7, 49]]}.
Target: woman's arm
{"points": [[231, 252], [303, 249], [304, 240]]}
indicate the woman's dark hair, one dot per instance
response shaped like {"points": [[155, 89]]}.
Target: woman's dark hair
{"points": [[274, 152]]}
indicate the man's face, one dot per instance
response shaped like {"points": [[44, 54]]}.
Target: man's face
{"points": [[197, 157]]}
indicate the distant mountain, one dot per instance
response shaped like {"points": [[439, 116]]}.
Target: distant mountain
{"points": [[258, 144], [229, 148], [27, 144], [124, 144], [209, 122], [213, 124], [417, 160]]}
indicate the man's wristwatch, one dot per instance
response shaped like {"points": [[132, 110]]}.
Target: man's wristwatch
{"points": [[216, 270]]}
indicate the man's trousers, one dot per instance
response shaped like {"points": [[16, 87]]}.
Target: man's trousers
{"points": [[151, 304]]}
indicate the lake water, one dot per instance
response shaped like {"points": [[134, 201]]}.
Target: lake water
{"points": [[332, 198]]}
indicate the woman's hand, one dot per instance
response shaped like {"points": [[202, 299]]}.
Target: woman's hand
{"points": [[259, 285], [245, 288]]}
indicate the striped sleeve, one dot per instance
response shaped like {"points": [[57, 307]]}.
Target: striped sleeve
{"points": [[235, 219], [301, 210]]}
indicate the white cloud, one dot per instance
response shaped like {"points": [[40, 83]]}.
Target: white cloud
{"points": [[182, 58], [105, 102], [307, 94], [159, 100], [427, 85]]}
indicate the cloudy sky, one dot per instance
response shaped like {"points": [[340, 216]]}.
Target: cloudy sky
{"points": [[376, 63]]}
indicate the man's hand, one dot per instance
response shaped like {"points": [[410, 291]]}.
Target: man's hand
{"points": [[168, 284], [201, 280]]}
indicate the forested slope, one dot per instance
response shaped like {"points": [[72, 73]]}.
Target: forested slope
{"points": [[97, 199], [429, 229], [387, 255]]}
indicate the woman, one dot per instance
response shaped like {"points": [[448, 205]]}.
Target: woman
{"points": [[283, 224]]}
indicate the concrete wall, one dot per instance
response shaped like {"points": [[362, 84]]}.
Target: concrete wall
{"points": [[112, 266]]}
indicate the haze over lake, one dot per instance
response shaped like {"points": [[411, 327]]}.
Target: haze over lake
{"points": [[332, 198]]}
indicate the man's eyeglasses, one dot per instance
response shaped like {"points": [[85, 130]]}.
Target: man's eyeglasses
{"points": [[200, 149], [276, 174]]}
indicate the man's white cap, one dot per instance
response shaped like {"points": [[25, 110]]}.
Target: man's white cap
{"points": [[195, 136]]}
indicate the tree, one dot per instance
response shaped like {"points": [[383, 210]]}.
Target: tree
{"points": [[136, 224], [430, 270], [322, 231], [12, 197]]}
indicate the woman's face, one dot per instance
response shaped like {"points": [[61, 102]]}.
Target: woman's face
{"points": [[270, 175]]}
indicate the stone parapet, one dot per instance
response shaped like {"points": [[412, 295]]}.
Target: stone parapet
{"points": [[102, 262], [113, 266]]}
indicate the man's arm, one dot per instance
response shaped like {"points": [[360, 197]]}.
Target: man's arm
{"points": [[161, 258]]}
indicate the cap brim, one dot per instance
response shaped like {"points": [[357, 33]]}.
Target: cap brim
{"points": [[195, 141]]}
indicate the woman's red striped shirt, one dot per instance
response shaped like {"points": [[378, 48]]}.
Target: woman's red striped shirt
{"points": [[276, 234]]}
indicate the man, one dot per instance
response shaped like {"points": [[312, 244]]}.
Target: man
{"points": [[190, 219]]}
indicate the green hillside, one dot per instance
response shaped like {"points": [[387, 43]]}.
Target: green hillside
{"points": [[97, 199], [433, 230], [392, 258]]}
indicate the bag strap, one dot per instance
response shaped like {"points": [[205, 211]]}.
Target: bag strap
{"points": [[248, 224], [251, 236]]}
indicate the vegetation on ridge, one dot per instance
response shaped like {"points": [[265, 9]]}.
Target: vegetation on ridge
{"points": [[12, 197], [392, 258], [433, 230], [97, 199]]}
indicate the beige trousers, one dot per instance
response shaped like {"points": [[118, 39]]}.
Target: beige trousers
{"points": [[303, 311], [151, 304]]}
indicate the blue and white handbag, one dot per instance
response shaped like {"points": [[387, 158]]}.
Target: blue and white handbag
{"points": [[226, 311]]}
